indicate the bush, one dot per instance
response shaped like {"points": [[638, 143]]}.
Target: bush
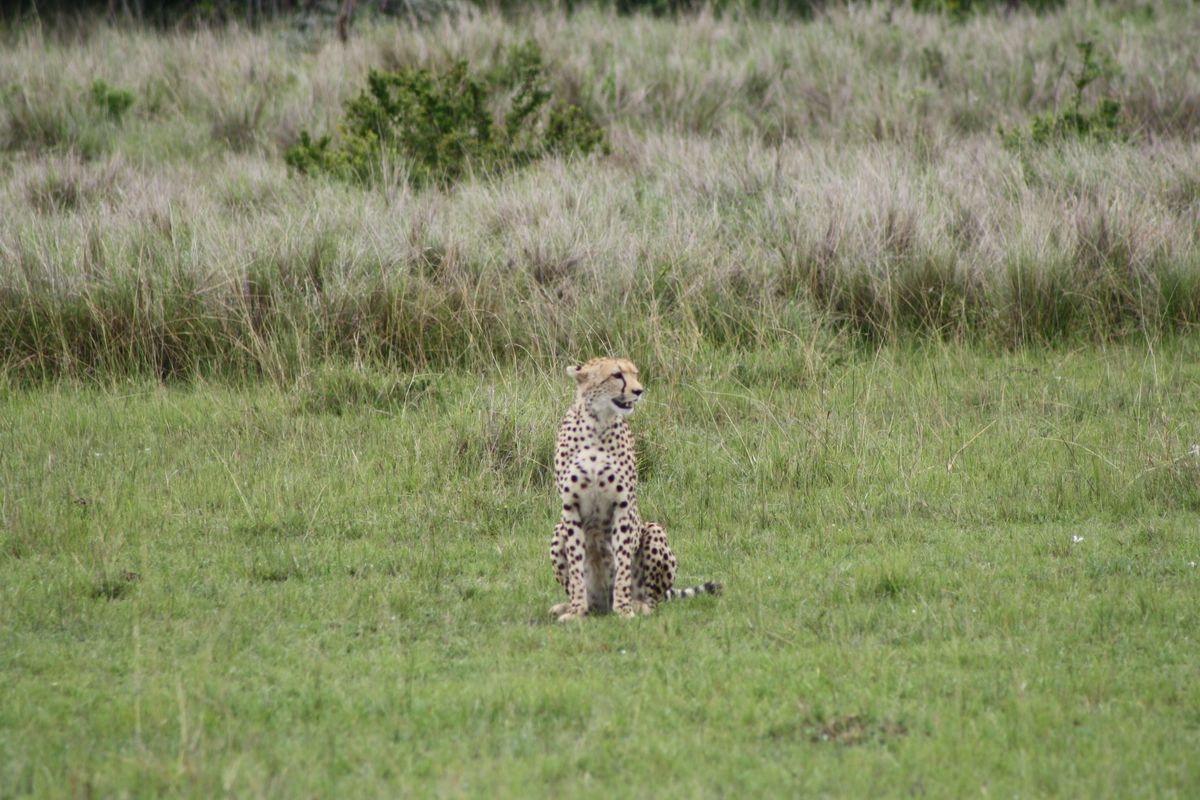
{"points": [[1101, 123], [963, 8], [111, 100], [436, 128]]}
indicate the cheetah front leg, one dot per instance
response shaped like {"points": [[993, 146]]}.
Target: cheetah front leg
{"points": [[625, 541], [572, 551], [558, 559]]}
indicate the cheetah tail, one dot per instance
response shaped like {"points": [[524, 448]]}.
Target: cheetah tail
{"points": [[710, 587]]}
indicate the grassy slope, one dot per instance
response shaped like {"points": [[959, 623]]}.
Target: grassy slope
{"points": [[340, 586]]}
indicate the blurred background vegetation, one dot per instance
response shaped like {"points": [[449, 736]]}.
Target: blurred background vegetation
{"points": [[237, 193], [168, 13]]}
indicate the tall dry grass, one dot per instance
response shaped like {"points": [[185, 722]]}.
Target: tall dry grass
{"points": [[767, 176]]}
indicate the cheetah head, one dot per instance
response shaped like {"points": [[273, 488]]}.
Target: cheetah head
{"points": [[608, 386]]}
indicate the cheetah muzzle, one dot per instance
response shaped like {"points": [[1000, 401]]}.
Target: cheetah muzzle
{"points": [[605, 556]]}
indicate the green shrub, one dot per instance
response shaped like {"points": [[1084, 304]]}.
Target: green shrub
{"points": [[439, 127], [663, 8], [1101, 123], [963, 8], [113, 101]]}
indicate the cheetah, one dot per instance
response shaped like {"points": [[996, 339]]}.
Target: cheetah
{"points": [[605, 557]]}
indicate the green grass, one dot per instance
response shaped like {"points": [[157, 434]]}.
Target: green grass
{"points": [[339, 586]]}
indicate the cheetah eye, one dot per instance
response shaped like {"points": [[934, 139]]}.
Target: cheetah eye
{"points": [[618, 375]]}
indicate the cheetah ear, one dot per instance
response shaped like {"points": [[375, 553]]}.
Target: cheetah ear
{"points": [[576, 373]]}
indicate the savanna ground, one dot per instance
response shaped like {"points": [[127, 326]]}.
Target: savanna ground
{"points": [[275, 449]]}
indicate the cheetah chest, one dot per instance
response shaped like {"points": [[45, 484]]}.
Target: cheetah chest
{"points": [[600, 485]]}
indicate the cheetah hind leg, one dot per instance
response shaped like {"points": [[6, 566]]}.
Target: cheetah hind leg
{"points": [[661, 568], [654, 569]]}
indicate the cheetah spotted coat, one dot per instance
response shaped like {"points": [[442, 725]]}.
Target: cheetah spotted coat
{"points": [[605, 556]]}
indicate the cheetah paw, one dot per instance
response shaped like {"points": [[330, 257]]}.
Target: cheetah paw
{"points": [[569, 615], [635, 609]]}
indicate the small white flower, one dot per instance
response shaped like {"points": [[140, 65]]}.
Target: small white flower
{"points": [[1194, 451], [145, 449], [97, 455], [1192, 564], [1076, 539]]}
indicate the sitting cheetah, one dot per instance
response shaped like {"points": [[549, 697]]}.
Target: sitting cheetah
{"points": [[604, 555]]}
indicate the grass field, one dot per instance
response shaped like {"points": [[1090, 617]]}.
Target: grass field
{"points": [[947, 574], [275, 494]]}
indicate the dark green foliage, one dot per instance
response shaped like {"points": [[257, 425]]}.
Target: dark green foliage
{"points": [[437, 128], [112, 100], [798, 8], [964, 8], [176, 13], [1100, 123], [571, 129]]}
